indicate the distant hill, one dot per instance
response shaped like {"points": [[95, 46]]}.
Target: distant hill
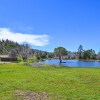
{"points": [[14, 48]]}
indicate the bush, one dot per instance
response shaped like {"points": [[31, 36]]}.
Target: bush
{"points": [[20, 59], [32, 60]]}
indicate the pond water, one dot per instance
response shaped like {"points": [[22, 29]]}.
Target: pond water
{"points": [[73, 63]]}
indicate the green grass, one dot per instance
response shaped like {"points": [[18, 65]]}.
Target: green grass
{"points": [[59, 82]]}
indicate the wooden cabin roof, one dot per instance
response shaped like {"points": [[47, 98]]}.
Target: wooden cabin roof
{"points": [[4, 56]]}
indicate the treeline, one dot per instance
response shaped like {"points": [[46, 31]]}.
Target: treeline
{"points": [[61, 53], [23, 51], [89, 54], [86, 54]]}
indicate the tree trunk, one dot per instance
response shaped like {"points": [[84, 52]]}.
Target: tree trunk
{"points": [[60, 58]]}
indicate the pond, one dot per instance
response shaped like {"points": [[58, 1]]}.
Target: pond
{"points": [[73, 63]]}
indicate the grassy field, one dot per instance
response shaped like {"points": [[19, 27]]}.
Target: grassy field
{"points": [[59, 83]]}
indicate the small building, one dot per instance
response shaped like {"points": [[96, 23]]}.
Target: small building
{"points": [[7, 58]]}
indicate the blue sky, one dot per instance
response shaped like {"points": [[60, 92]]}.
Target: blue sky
{"points": [[52, 23]]}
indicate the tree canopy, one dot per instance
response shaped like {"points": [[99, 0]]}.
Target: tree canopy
{"points": [[60, 52]]}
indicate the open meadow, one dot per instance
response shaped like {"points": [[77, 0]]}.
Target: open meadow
{"points": [[56, 83]]}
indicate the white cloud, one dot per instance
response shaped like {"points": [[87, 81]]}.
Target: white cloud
{"points": [[36, 40]]}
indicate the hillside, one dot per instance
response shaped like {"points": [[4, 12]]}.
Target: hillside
{"points": [[14, 48]]}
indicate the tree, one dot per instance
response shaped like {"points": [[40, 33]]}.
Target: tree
{"points": [[13, 55], [60, 52], [37, 56], [50, 55], [89, 54], [80, 52], [43, 55], [93, 54], [98, 55]]}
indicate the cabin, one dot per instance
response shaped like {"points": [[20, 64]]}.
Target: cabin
{"points": [[7, 58]]}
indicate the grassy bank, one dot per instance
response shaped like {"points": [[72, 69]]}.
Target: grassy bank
{"points": [[58, 83]]}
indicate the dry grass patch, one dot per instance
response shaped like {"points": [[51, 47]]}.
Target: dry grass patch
{"points": [[29, 95]]}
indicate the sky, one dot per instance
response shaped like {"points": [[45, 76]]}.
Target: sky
{"points": [[46, 24]]}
